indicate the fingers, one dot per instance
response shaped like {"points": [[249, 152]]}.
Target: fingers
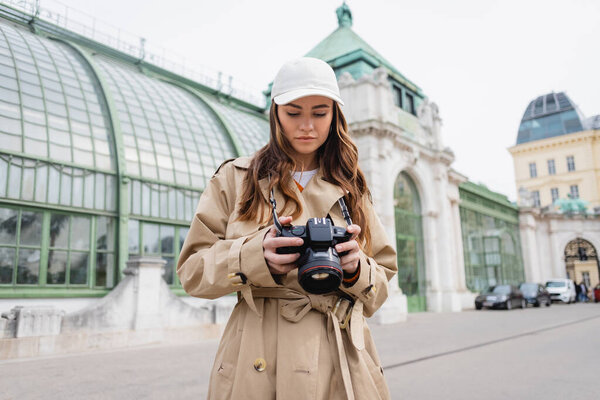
{"points": [[351, 246], [354, 230], [281, 269], [281, 259]]}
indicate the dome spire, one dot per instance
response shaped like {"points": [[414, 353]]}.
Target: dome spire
{"points": [[344, 15]]}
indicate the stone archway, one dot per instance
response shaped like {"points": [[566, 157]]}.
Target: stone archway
{"points": [[409, 242], [581, 259]]}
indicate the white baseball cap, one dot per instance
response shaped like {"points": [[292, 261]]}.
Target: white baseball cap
{"points": [[302, 77]]}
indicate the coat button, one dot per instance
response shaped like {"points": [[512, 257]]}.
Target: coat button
{"points": [[260, 364]]}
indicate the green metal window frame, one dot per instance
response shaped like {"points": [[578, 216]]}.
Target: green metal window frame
{"points": [[179, 233], [410, 243], [492, 250], [42, 288]]}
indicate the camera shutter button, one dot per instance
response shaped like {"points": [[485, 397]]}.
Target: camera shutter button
{"points": [[297, 230]]}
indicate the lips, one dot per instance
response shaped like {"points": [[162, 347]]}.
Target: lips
{"points": [[305, 138]]}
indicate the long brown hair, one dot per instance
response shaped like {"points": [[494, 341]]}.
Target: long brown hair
{"points": [[338, 159]]}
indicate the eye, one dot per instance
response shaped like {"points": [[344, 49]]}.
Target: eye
{"points": [[293, 114], [320, 115]]}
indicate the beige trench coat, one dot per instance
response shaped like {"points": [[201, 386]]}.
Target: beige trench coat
{"points": [[280, 342]]}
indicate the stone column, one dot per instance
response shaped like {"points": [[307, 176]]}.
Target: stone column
{"points": [[148, 271]]}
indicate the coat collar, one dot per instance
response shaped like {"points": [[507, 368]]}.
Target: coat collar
{"points": [[318, 197]]}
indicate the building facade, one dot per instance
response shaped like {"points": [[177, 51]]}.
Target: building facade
{"points": [[557, 172], [557, 154], [104, 155]]}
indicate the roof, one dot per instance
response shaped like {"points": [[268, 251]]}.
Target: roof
{"points": [[345, 51], [550, 115], [81, 114]]}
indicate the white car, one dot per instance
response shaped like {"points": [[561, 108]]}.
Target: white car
{"points": [[561, 289]]}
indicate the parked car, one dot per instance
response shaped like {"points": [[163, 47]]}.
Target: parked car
{"points": [[561, 290], [500, 296], [597, 293], [535, 294]]}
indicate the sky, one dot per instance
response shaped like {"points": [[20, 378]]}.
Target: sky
{"points": [[481, 61]]}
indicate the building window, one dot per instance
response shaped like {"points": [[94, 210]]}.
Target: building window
{"points": [[574, 191], [536, 198], [532, 170], [554, 194], [161, 240], [551, 167], [411, 103], [398, 96], [53, 249], [570, 163]]}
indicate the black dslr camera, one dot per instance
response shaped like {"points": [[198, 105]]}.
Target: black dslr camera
{"points": [[319, 269]]}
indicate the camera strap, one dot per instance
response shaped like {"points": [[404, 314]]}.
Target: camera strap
{"points": [[278, 226]]}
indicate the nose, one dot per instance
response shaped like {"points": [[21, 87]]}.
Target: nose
{"points": [[306, 125]]}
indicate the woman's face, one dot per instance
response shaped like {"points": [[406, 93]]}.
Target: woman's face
{"points": [[305, 123]]}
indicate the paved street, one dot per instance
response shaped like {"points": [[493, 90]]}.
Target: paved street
{"points": [[538, 353]]}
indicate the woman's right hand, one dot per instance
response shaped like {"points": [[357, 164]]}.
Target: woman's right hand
{"points": [[280, 264]]}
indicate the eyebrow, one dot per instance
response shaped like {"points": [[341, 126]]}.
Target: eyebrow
{"points": [[315, 107]]}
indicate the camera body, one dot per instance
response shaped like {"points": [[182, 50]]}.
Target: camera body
{"points": [[319, 269]]}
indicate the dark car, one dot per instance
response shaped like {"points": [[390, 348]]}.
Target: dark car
{"points": [[500, 296], [535, 294]]}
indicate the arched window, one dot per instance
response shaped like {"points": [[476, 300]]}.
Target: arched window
{"points": [[409, 242]]}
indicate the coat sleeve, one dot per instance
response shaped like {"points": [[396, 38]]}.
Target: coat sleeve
{"points": [[207, 259], [371, 288]]}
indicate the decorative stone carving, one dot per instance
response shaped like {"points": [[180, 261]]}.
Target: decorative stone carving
{"points": [[525, 197], [431, 122]]}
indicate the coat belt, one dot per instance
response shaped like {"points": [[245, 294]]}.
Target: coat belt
{"points": [[341, 311]]}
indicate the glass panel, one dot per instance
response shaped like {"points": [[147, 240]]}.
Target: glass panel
{"points": [[53, 185], [151, 238], [100, 192], [14, 182], [65, 190], [79, 268], [77, 191], [80, 237], [104, 269], [27, 184], [105, 236], [31, 228], [164, 204], [57, 267], [167, 234], [168, 273], [133, 235], [28, 267], [8, 225], [7, 259], [182, 235], [135, 197], [111, 192], [145, 199], [59, 231], [41, 183], [3, 173], [88, 192]]}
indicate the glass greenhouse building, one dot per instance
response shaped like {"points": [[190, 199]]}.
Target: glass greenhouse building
{"points": [[102, 156]]}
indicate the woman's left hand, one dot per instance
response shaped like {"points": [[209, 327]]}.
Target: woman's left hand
{"points": [[350, 261]]}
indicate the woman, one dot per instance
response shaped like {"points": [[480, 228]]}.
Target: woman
{"points": [[282, 342]]}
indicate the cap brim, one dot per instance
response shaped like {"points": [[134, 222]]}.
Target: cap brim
{"points": [[292, 95]]}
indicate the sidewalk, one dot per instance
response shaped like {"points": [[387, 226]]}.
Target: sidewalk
{"points": [[468, 352]]}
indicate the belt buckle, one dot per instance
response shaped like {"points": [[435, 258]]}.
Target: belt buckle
{"points": [[346, 319], [234, 275]]}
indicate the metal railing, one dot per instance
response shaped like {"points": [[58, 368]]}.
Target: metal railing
{"points": [[88, 26]]}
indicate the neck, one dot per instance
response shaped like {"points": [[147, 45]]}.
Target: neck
{"points": [[306, 162]]}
